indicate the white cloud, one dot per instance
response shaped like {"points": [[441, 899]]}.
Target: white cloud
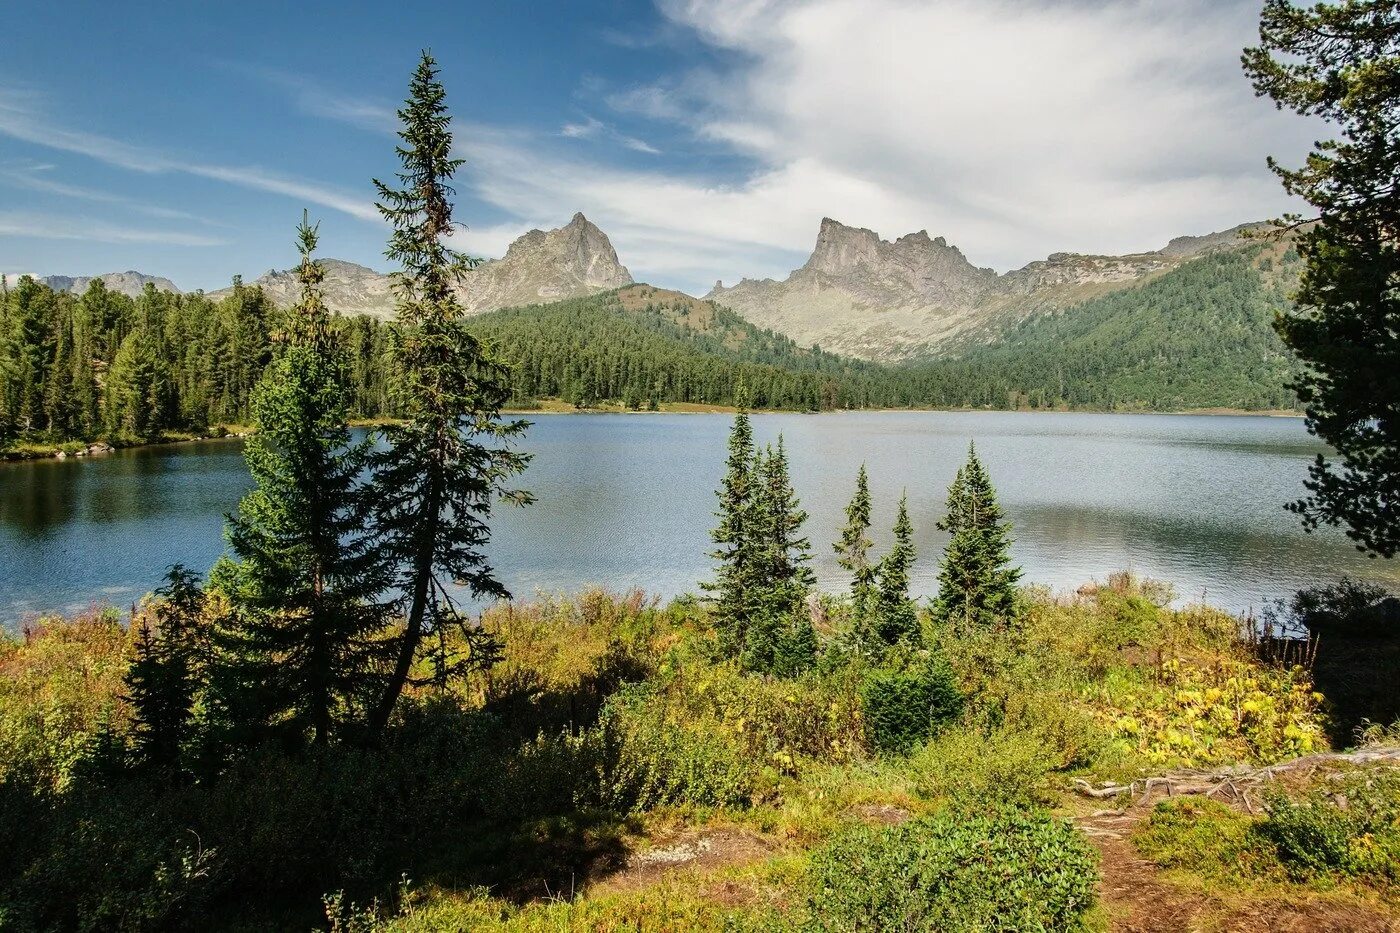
{"points": [[588, 129], [593, 128], [49, 227], [1012, 127], [19, 120], [314, 98], [33, 178]]}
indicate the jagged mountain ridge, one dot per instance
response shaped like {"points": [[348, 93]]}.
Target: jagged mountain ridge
{"points": [[919, 296], [571, 261], [913, 297], [130, 283]]}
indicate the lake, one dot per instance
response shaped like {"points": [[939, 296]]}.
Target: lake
{"points": [[627, 501]]}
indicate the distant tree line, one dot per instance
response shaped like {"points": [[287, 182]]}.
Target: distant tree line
{"points": [[102, 364], [587, 350]]}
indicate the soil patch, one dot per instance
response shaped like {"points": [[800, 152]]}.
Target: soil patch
{"points": [[693, 850]]}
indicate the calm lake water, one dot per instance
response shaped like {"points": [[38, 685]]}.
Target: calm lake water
{"points": [[627, 501]]}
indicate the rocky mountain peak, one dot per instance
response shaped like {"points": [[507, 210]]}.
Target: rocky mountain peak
{"points": [[547, 265], [865, 296], [542, 265], [913, 270]]}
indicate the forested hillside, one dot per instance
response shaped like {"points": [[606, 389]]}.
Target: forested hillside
{"points": [[104, 365], [1200, 336], [642, 344]]}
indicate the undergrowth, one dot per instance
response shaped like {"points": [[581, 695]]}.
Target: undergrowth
{"points": [[512, 798]]}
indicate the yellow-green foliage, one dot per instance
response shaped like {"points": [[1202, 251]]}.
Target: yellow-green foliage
{"points": [[1219, 709], [654, 758], [60, 684], [647, 910], [609, 714], [776, 722], [1117, 677], [967, 764], [1200, 834], [556, 643], [677, 901]]}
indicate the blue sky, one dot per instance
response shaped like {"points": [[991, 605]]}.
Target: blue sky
{"points": [[706, 137]]}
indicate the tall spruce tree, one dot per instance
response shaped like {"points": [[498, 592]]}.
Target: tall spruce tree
{"points": [[299, 649], [896, 619], [733, 591], [435, 481], [786, 552], [976, 582], [854, 548], [138, 388], [1338, 61]]}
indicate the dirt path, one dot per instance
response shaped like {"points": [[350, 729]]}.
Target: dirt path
{"points": [[1138, 897]]}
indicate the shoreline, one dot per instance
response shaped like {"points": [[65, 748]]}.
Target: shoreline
{"points": [[98, 448]]}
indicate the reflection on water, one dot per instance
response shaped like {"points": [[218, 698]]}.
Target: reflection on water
{"points": [[628, 501]]}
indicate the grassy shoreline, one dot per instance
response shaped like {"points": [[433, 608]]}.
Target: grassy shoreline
{"points": [[614, 755]]}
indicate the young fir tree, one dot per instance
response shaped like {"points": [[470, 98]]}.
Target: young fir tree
{"points": [[163, 678], [779, 637], [854, 548], [435, 482], [976, 583], [298, 651], [733, 591], [896, 619]]}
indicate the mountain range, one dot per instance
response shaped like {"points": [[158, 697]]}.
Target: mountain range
{"points": [[916, 297], [128, 283], [571, 261], [920, 297]]}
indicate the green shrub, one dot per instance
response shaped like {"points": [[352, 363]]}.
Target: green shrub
{"points": [[1349, 827], [1348, 607], [904, 706], [1197, 834], [996, 766], [954, 871], [653, 758]]}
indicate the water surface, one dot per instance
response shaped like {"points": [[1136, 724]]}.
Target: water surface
{"points": [[627, 500]]}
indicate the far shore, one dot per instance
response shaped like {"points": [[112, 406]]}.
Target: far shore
{"points": [[85, 449]]}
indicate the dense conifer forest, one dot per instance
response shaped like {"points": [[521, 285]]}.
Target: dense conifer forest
{"points": [[1200, 336], [105, 365], [130, 370]]}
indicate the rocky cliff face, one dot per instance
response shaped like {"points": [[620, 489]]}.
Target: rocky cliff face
{"points": [[349, 288], [912, 271], [543, 265], [868, 297], [128, 283], [574, 260]]}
